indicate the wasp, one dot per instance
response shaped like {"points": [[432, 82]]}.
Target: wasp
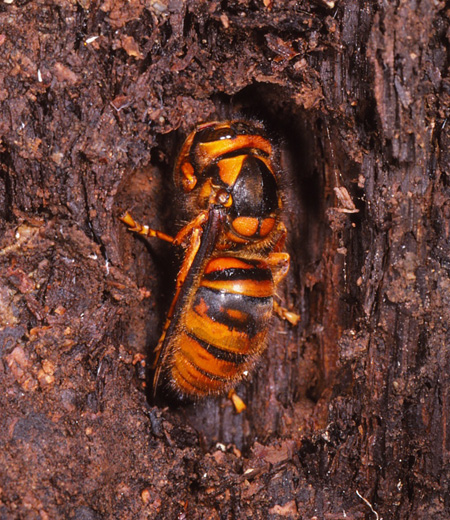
{"points": [[217, 324]]}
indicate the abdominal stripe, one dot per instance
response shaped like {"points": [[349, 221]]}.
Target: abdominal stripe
{"points": [[218, 353], [246, 314], [235, 273]]}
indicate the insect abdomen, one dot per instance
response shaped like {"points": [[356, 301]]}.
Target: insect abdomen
{"points": [[224, 326]]}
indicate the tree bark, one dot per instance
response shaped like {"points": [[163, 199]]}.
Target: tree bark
{"points": [[347, 413]]}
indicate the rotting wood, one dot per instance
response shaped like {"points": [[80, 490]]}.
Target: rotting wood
{"points": [[348, 413]]}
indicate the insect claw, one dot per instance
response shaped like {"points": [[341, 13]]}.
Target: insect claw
{"points": [[292, 317], [127, 219]]}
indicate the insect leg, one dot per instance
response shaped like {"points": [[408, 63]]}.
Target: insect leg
{"points": [[284, 314], [279, 265], [194, 224], [143, 230], [282, 233], [238, 403]]}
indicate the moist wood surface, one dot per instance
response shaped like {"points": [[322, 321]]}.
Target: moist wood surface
{"points": [[348, 413]]}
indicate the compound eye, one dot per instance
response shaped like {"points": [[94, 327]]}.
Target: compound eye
{"points": [[224, 198]]}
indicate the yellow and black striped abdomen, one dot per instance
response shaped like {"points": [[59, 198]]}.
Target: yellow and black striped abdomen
{"points": [[224, 326]]}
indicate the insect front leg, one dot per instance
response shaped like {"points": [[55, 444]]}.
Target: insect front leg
{"points": [[195, 224], [143, 230], [180, 237]]}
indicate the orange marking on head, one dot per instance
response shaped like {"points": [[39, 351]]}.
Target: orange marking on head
{"points": [[230, 168], [266, 226], [246, 226]]}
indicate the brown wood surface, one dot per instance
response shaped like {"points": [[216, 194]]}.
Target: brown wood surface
{"points": [[348, 413]]}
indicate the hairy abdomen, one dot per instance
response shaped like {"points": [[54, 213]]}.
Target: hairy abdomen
{"points": [[223, 327]]}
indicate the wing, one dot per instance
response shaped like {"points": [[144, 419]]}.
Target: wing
{"points": [[202, 235]]}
